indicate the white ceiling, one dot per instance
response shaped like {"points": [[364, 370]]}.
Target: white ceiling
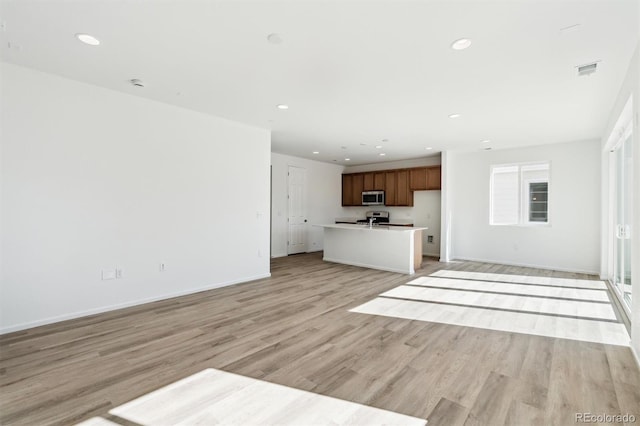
{"points": [[352, 72]]}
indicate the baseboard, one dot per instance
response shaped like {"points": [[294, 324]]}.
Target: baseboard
{"points": [[102, 309], [365, 265], [527, 265], [635, 355], [431, 254]]}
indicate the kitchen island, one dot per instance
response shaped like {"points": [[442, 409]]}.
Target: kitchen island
{"points": [[389, 248]]}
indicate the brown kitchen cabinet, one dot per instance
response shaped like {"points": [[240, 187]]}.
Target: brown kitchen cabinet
{"points": [[347, 190], [398, 185], [418, 179], [358, 187], [390, 188], [433, 177], [379, 181], [369, 184], [404, 197]]}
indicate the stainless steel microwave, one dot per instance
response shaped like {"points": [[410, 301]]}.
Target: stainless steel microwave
{"points": [[373, 198]]}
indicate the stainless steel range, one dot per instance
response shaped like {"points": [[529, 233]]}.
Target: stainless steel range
{"points": [[376, 217]]}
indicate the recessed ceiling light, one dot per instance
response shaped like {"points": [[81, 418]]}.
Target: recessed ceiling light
{"points": [[316, 152], [378, 146], [283, 106], [382, 154], [274, 38], [428, 148], [486, 141], [454, 116], [347, 159], [88, 39], [385, 140], [461, 44]]}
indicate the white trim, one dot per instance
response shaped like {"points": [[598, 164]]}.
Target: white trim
{"points": [[102, 309], [527, 265], [635, 355]]}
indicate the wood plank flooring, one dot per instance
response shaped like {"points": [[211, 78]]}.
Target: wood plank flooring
{"points": [[295, 329]]}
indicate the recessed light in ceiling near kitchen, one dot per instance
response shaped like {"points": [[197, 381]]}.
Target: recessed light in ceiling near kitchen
{"points": [[428, 148], [316, 152], [454, 116], [486, 141], [88, 39], [461, 44], [378, 146], [283, 106], [382, 154], [347, 159]]}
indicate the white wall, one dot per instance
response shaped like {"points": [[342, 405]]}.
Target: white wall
{"points": [[323, 200], [570, 242], [630, 87], [426, 204], [94, 179]]}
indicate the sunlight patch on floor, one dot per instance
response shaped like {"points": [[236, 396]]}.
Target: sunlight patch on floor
{"points": [[542, 306], [522, 279], [505, 301], [218, 397], [599, 295]]}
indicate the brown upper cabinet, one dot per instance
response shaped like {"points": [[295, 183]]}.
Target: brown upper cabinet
{"points": [[374, 181], [397, 184], [347, 190], [379, 181], [358, 187], [390, 188], [418, 179], [404, 197], [433, 178], [368, 182]]}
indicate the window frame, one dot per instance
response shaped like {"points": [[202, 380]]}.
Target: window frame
{"points": [[523, 194]]}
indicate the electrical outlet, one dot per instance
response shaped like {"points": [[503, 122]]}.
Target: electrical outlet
{"points": [[108, 274], [118, 273], [430, 239], [162, 267]]}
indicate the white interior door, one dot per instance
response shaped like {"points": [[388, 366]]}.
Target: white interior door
{"points": [[297, 238]]}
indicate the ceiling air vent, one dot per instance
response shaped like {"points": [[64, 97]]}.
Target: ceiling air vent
{"points": [[137, 82], [587, 69]]}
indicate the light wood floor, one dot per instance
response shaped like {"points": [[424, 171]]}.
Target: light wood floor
{"points": [[295, 329]]}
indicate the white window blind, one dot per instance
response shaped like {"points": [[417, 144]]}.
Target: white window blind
{"points": [[519, 194], [504, 195]]}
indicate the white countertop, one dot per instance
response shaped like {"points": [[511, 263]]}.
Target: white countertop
{"points": [[365, 227], [398, 222]]}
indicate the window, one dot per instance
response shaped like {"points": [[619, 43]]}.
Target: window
{"points": [[519, 194]]}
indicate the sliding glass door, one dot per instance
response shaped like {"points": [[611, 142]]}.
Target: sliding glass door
{"points": [[623, 166]]}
